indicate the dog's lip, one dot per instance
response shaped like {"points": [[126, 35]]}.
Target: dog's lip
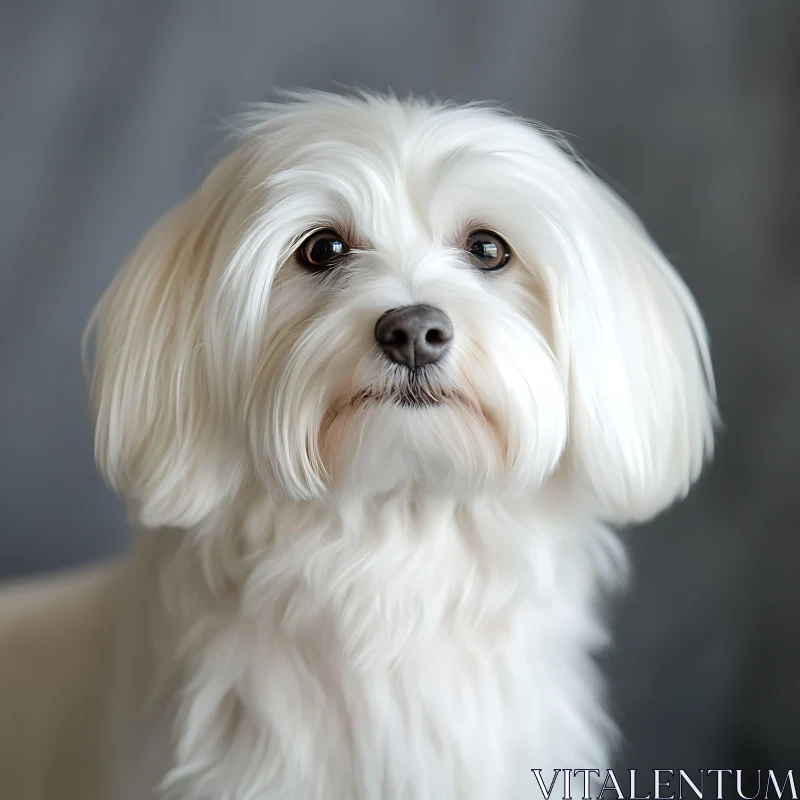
{"points": [[409, 397], [419, 400]]}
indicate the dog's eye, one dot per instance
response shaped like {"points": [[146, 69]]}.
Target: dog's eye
{"points": [[487, 250], [322, 250]]}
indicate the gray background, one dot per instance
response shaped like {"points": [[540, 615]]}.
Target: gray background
{"points": [[110, 112]]}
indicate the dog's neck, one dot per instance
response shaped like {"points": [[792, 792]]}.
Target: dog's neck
{"points": [[258, 522], [446, 537]]}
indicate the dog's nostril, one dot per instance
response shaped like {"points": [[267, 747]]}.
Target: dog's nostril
{"points": [[435, 336], [398, 337], [415, 335]]}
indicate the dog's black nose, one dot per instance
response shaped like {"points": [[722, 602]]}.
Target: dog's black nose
{"points": [[414, 335]]}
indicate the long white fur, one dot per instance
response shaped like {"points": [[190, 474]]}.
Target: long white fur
{"points": [[361, 600]]}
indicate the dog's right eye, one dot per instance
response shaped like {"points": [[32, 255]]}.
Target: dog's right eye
{"points": [[322, 250]]}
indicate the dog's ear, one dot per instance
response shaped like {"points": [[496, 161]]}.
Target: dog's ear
{"points": [[157, 434], [634, 351]]}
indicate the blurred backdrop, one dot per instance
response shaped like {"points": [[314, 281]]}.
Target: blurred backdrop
{"points": [[111, 112]]}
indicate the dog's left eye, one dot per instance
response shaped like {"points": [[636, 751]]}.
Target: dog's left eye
{"points": [[322, 250], [487, 250]]}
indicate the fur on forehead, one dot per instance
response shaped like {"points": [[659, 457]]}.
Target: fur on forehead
{"points": [[357, 162], [399, 133]]}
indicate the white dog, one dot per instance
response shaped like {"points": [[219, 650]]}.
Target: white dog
{"points": [[372, 396]]}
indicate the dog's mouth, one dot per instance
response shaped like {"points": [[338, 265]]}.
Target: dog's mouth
{"points": [[413, 396], [418, 397]]}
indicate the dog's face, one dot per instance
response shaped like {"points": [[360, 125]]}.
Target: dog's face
{"points": [[369, 294], [405, 334]]}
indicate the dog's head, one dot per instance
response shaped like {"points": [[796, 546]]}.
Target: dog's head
{"points": [[368, 293]]}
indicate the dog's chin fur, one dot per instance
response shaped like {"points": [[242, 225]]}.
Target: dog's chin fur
{"points": [[385, 585]]}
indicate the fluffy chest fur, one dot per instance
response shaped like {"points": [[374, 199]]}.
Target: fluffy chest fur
{"points": [[402, 648]]}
